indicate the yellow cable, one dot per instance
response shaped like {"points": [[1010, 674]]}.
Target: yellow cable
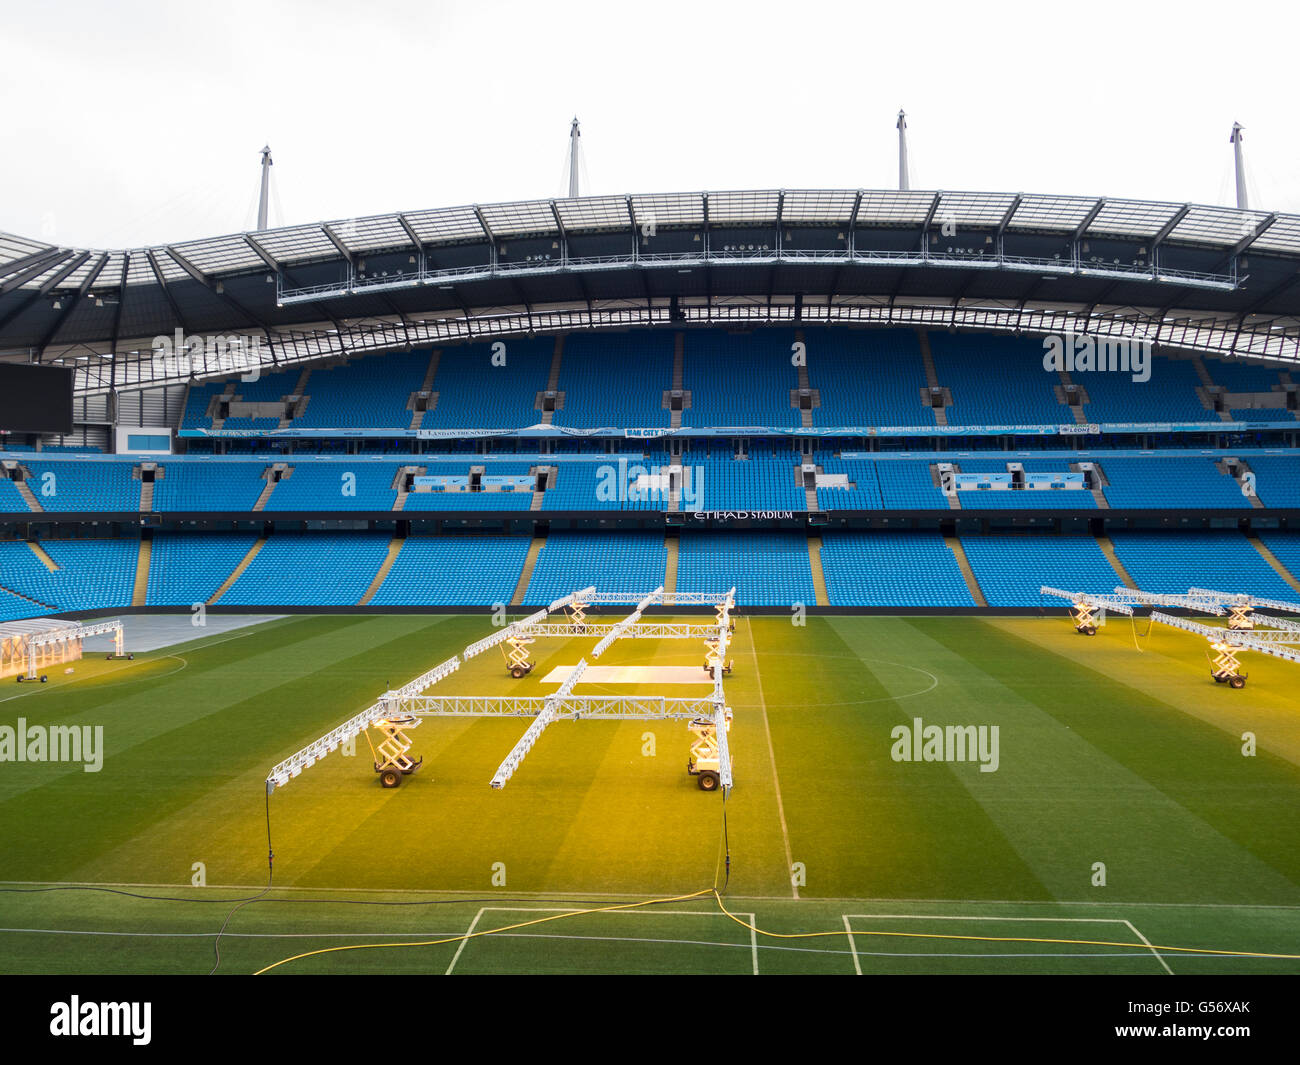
{"points": [[785, 935], [486, 932], [998, 939]]}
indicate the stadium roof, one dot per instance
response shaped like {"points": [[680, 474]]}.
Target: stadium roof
{"points": [[1197, 277]]}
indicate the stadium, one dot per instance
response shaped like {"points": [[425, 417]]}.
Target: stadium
{"points": [[764, 581]]}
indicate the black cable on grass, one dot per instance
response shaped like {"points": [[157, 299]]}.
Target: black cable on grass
{"points": [[270, 877]]}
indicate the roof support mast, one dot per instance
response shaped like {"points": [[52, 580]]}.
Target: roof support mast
{"points": [[1239, 165], [573, 159], [264, 199], [903, 183]]}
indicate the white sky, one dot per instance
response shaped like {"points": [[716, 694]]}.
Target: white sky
{"points": [[140, 122]]}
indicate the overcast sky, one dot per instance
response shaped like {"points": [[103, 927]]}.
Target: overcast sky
{"points": [[138, 122]]}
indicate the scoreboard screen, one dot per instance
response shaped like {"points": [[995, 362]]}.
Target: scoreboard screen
{"points": [[35, 399]]}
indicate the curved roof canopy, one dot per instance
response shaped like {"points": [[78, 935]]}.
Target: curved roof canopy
{"points": [[1197, 277]]}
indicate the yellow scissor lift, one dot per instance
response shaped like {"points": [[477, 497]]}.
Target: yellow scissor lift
{"points": [[577, 612], [391, 759], [515, 649], [1225, 668], [706, 754]]}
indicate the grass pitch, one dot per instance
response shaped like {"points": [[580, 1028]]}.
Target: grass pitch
{"points": [[1117, 755]]}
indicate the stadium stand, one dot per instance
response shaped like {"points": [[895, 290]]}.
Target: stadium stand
{"points": [[336, 486], [767, 568], [91, 574], [299, 569], [454, 570], [891, 569], [473, 393], [202, 486], [188, 568], [1168, 396], [1174, 562], [594, 396], [1012, 569], [82, 487], [740, 380], [623, 561], [1020, 392], [1185, 482], [866, 377]]}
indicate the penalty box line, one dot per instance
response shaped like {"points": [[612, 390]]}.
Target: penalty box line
{"points": [[473, 925], [857, 966]]}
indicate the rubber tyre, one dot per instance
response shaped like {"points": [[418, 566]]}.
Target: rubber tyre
{"points": [[708, 781], [1237, 682], [516, 671], [390, 778]]}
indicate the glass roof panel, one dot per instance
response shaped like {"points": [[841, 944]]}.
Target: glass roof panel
{"points": [[740, 208], [516, 219], [669, 209], [983, 209], [221, 254], [446, 224], [827, 206], [894, 207], [1133, 218], [593, 213], [1283, 235], [1052, 212]]}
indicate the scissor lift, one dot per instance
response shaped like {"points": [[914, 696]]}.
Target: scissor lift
{"points": [[515, 648], [392, 762], [705, 762], [577, 611], [715, 652], [1226, 669]]}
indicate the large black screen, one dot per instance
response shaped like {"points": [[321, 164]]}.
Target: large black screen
{"points": [[35, 399]]}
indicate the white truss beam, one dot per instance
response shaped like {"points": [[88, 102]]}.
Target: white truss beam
{"points": [[72, 631], [1209, 604], [724, 752], [583, 596], [424, 680], [513, 629], [642, 630], [1242, 640], [1243, 599], [1102, 602], [549, 713]]}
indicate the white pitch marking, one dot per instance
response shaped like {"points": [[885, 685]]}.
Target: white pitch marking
{"points": [[771, 754], [753, 921], [857, 966], [968, 917], [1144, 939], [468, 933]]}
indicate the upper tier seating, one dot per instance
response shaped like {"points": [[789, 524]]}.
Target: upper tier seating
{"points": [[740, 380], [615, 379], [997, 380], [866, 377]]}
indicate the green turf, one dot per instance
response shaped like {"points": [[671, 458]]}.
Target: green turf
{"points": [[1115, 750]]}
